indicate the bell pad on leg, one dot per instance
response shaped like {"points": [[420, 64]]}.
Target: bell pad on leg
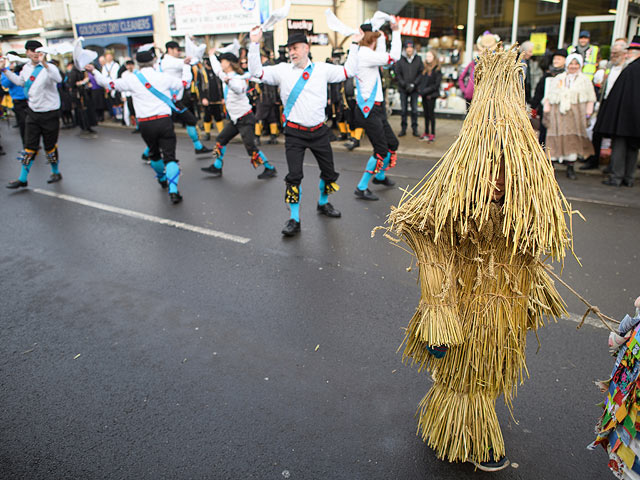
{"points": [[292, 193], [27, 156], [52, 155], [256, 159], [331, 187]]}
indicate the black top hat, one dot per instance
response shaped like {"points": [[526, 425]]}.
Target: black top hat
{"points": [[560, 53], [32, 45], [635, 43], [297, 37], [366, 27], [229, 56], [171, 44], [145, 56]]}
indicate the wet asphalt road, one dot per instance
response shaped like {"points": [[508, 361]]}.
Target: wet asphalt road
{"points": [[131, 349]]}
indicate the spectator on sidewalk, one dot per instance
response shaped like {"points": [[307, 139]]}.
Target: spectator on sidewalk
{"points": [[408, 70], [527, 52], [568, 105], [621, 119], [486, 41], [558, 61], [588, 52], [612, 72], [429, 87]]}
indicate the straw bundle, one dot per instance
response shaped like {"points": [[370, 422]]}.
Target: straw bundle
{"points": [[482, 285]]}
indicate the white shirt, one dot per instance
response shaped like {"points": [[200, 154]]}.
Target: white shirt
{"points": [[145, 103], [309, 109], [237, 102], [111, 70], [370, 61], [614, 73], [177, 69], [43, 94]]}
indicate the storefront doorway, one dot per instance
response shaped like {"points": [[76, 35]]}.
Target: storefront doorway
{"points": [[599, 26]]}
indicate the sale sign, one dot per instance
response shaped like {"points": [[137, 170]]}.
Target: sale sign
{"points": [[414, 27]]}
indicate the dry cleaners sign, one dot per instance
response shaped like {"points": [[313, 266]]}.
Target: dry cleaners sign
{"points": [[123, 26]]}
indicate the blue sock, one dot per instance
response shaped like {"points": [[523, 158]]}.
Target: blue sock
{"points": [[217, 163], [193, 135], [222, 152], [265, 162], [158, 166], [54, 168], [381, 174], [366, 176], [324, 198], [25, 171], [146, 152], [173, 175], [295, 211]]}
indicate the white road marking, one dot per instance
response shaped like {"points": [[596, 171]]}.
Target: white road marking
{"points": [[144, 216], [598, 202], [591, 320]]}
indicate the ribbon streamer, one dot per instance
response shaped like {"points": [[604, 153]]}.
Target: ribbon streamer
{"points": [[335, 24], [379, 19], [57, 49], [277, 15], [81, 56], [194, 51]]}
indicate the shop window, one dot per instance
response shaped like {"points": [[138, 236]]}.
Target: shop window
{"points": [[547, 7], [492, 8], [37, 4]]}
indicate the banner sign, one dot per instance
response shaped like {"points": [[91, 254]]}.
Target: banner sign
{"points": [[293, 24], [124, 26], [414, 27], [205, 17], [539, 41]]}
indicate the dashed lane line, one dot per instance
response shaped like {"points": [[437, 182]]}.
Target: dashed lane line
{"points": [[143, 216]]}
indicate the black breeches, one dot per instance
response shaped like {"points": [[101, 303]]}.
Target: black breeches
{"points": [[378, 130], [20, 108], [187, 117], [160, 137], [429, 106], [41, 124], [297, 141], [350, 113], [213, 111], [245, 126]]}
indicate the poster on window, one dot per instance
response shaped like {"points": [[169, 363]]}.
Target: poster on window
{"points": [[212, 17]]}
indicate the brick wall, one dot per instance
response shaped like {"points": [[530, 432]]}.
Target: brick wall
{"points": [[27, 19]]}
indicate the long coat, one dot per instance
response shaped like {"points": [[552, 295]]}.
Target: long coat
{"points": [[620, 114]]}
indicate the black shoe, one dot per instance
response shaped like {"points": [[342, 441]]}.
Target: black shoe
{"points": [[416, 134], [589, 165], [175, 197], [2, 152], [365, 194], [207, 136], [328, 210], [273, 140], [627, 184], [343, 137], [611, 182], [213, 170], [91, 130], [16, 184], [492, 465], [607, 170], [352, 143], [268, 173], [387, 182], [402, 133], [291, 228], [204, 149], [163, 183], [144, 157], [571, 173], [55, 177], [135, 131]]}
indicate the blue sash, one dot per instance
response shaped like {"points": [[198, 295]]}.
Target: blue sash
{"points": [[368, 105], [158, 93], [295, 92], [31, 79]]}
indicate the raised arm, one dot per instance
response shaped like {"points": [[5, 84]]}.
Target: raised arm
{"points": [[379, 57], [53, 72], [215, 64], [269, 74], [119, 84]]}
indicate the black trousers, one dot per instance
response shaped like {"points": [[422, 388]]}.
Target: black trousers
{"points": [[245, 126], [429, 106], [295, 144], [187, 117], [350, 113], [213, 111], [41, 124], [378, 130], [405, 98], [160, 137], [267, 112], [20, 108], [624, 158]]}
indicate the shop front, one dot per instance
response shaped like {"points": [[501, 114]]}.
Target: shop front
{"points": [[122, 36]]}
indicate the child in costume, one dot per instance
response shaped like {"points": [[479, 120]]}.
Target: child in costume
{"points": [[617, 429], [478, 225]]}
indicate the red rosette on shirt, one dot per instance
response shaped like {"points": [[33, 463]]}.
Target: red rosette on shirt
{"points": [[32, 78], [305, 75], [184, 83], [366, 109], [147, 85]]}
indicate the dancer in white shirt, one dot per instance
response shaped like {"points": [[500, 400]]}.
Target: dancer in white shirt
{"points": [[370, 112], [151, 94], [243, 121], [40, 80], [303, 90]]}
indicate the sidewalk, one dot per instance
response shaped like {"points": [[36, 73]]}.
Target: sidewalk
{"points": [[447, 131]]}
